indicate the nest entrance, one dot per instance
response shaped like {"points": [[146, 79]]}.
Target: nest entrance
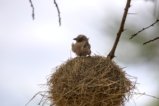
{"points": [[89, 81]]}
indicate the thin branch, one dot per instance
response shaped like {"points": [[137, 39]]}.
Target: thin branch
{"points": [[58, 11], [43, 96], [32, 6], [121, 29], [150, 41], [132, 36], [146, 95], [38, 93]]}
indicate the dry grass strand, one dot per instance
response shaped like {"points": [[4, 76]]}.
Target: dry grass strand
{"points": [[89, 81]]}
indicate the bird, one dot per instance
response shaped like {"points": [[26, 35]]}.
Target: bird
{"points": [[82, 46]]}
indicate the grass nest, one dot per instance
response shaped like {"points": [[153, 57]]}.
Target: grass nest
{"points": [[89, 81]]}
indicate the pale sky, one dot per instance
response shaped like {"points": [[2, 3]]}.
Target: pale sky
{"points": [[29, 50]]}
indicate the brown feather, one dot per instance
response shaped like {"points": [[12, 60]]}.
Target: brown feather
{"points": [[82, 46]]}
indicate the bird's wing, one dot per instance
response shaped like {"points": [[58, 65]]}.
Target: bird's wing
{"points": [[76, 47], [86, 45]]}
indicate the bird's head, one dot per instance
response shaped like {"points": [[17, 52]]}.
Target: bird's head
{"points": [[81, 38]]}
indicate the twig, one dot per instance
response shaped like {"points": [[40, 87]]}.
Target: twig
{"points": [[43, 96], [58, 11], [121, 29], [56, 5], [32, 6], [146, 95], [34, 97], [150, 41], [132, 36]]}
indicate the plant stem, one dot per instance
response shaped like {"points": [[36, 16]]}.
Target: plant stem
{"points": [[111, 54]]}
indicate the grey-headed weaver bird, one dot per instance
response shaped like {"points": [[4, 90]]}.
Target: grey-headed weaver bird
{"points": [[82, 46]]}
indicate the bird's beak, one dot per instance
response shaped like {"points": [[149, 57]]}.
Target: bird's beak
{"points": [[75, 39]]}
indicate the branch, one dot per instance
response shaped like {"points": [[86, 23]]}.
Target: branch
{"points": [[38, 93], [132, 36], [56, 5], [58, 11], [121, 29], [146, 95], [150, 41], [32, 6]]}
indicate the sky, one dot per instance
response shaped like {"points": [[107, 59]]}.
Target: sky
{"points": [[31, 49]]}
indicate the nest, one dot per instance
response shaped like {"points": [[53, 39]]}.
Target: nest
{"points": [[89, 81]]}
